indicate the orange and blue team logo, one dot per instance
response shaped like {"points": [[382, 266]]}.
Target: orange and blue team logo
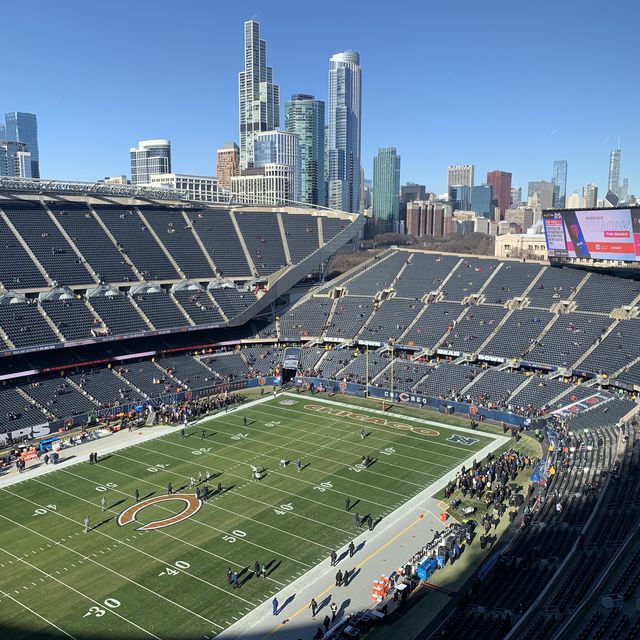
{"points": [[191, 506]]}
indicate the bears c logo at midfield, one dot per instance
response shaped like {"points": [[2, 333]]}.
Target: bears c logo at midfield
{"points": [[191, 507]]}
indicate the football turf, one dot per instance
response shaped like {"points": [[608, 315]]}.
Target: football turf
{"points": [[118, 581]]}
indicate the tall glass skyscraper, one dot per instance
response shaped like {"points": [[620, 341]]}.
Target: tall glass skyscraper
{"points": [[343, 132], [304, 117], [23, 127], [150, 157], [386, 188], [259, 97], [559, 180], [613, 184]]}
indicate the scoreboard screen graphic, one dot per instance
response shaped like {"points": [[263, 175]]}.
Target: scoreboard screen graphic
{"points": [[600, 234]]}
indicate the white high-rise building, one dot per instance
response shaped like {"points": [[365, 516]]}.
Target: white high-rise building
{"points": [[460, 175], [15, 159], [271, 185], [150, 157], [342, 164], [200, 188], [589, 196], [259, 97], [279, 147]]}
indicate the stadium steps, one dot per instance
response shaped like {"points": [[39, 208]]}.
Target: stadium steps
{"points": [[565, 393], [332, 312], [171, 376], [217, 306], [401, 271], [493, 334], [111, 237], [5, 338], [533, 283], [94, 313], [164, 249], [118, 375], [488, 280], [79, 389], [542, 334], [596, 344], [424, 377], [374, 309], [199, 242], [580, 285], [184, 312], [467, 387], [370, 264], [33, 402], [411, 324], [51, 323], [436, 346], [520, 387], [626, 367], [283, 237], [243, 244], [72, 244], [27, 248], [320, 231], [141, 312]]}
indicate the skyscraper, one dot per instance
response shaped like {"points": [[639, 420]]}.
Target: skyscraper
{"points": [[227, 163], [516, 196], [460, 197], [343, 132], [589, 196], [15, 159], [386, 188], [543, 192], [304, 117], [500, 181], [150, 157], [280, 148], [460, 175], [613, 184], [259, 97], [23, 127], [559, 181], [481, 199]]}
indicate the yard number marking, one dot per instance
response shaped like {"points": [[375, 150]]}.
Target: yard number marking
{"points": [[237, 533], [41, 511], [98, 612], [170, 571]]}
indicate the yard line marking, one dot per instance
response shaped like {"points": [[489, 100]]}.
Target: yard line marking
{"points": [[35, 613], [166, 533], [222, 531], [106, 535], [368, 426], [83, 595], [266, 504]]}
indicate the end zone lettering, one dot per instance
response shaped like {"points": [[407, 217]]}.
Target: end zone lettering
{"points": [[383, 422]]}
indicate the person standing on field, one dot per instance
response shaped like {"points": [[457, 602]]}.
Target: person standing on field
{"points": [[103, 504], [86, 524]]}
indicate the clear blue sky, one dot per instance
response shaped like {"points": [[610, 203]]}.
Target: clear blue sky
{"points": [[505, 85]]}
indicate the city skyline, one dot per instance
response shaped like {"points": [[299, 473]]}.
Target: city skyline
{"points": [[523, 137]]}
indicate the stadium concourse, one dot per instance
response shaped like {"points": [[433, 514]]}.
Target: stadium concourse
{"points": [[109, 305]]}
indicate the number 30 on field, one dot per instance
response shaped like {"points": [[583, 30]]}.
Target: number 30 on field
{"points": [[98, 612]]}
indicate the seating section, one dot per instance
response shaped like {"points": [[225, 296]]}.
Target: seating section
{"points": [[378, 276], [263, 361], [118, 314], [631, 375], [350, 314], [262, 236], [447, 380], [71, 317], [620, 347], [554, 285], [105, 388], [302, 235], [331, 227], [518, 334], [17, 269], [511, 281], [424, 273], [569, 337], [431, 326], [493, 388], [406, 375], [602, 293], [305, 320], [233, 302], [474, 328], [216, 230], [94, 243], [16, 413], [227, 367], [537, 394], [59, 398], [332, 362], [25, 326], [199, 306], [176, 235], [149, 379], [188, 370], [469, 277], [50, 247], [392, 319], [357, 369], [135, 239], [161, 310]]}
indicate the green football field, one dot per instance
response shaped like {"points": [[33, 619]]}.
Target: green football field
{"points": [[118, 581]]}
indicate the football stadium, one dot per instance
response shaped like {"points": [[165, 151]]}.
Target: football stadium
{"points": [[203, 436]]}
